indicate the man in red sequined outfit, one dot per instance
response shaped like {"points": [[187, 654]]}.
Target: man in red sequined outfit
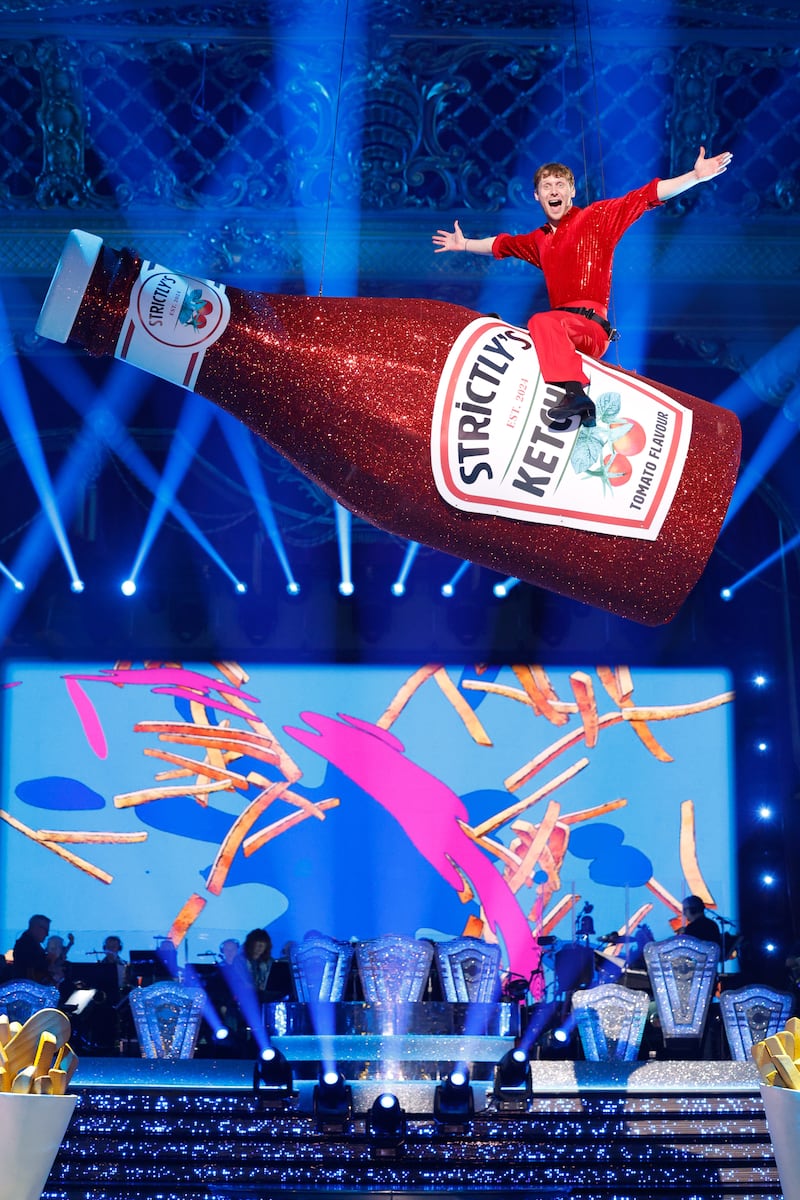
{"points": [[575, 250]]}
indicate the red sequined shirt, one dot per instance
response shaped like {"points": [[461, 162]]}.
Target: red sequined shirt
{"points": [[576, 259]]}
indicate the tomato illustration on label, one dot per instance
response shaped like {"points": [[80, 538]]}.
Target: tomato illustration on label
{"points": [[617, 469], [195, 309], [604, 450], [629, 437]]}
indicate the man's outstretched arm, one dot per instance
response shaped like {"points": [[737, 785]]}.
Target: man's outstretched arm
{"points": [[703, 170], [444, 239]]}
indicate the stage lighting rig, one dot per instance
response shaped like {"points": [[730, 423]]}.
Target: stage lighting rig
{"points": [[453, 1102], [273, 1080], [512, 1090], [332, 1102], [386, 1125]]}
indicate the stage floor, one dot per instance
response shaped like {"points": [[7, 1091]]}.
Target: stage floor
{"points": [[554, 1078], [195, 1130]]}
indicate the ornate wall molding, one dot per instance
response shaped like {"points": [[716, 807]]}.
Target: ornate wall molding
{"points": [[415, 123], [246, 142]]}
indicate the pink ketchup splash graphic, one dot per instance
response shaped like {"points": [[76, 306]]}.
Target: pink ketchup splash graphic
{"points": [[430, 814]]}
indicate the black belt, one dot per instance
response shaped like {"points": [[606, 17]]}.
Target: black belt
{"points": [[611, 333]]}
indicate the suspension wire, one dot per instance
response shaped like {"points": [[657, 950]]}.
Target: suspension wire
{"points": [[596, 99], [333, 149], [580, 106]]}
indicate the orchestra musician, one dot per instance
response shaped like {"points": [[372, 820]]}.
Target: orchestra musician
{"points": [[112, 953], [697, 924]]}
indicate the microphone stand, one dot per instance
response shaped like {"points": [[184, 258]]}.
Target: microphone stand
{"points": [[722, 922]]}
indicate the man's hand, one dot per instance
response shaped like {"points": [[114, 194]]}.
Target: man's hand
{"points": [[703, 170], [709, 168], [444, 240]]}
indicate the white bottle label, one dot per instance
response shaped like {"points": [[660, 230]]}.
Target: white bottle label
{"points": [[171, 321], [499, 446]]}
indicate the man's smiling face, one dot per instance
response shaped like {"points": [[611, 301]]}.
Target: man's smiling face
{"points": [[555, 194]]}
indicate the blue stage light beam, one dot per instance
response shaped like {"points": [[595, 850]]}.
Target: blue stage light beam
{"points": [[780, 434], [17, 584], [768, 377], [450, 585], [196, 416], [220, 1030], [759, 568], [339, 33], [77, 387], [765, 380], [344, 523], [16, 409], [243, 450], [502, 588], [112, 405], [739, 398], [249, 1005], [399, 585]]}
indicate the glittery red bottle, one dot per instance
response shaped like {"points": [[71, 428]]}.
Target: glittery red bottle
{"points": [[347, 390]]}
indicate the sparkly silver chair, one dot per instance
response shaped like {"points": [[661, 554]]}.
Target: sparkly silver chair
{"points": [[750, 1014], [469, 970], [320, 968], [21, 998], [611, 1021], [394, 969], [683, 972], [167, 1018]]}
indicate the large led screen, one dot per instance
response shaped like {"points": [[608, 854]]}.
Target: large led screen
{"points": [[514, 803]]}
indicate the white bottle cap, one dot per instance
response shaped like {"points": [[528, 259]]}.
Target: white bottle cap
{"points": [[68, 285]]}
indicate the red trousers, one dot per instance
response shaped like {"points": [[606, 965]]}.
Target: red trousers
{"points": [[557, 336]]}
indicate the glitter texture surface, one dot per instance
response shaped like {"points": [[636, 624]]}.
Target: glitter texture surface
{"points": [[345, 388], [640, 1130]]}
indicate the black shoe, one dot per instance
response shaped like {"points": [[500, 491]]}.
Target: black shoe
{"points": [[574, 403]]}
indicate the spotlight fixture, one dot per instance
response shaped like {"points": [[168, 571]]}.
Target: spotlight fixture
{"points": [[273, 1080], [726, 593], [77, 586], [128, 587], [293, 587], [240, 587], [386, 1124], [512, 1090], [221, 1034], [453, 1102], [332, 1102], [346, 588], [502, 588]]}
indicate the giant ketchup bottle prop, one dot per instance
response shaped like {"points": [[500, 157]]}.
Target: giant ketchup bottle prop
{"points": [[345, 389]]}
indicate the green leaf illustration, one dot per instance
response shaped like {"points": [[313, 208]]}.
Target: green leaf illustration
{"points": [[608, 406], [586, 450]]}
